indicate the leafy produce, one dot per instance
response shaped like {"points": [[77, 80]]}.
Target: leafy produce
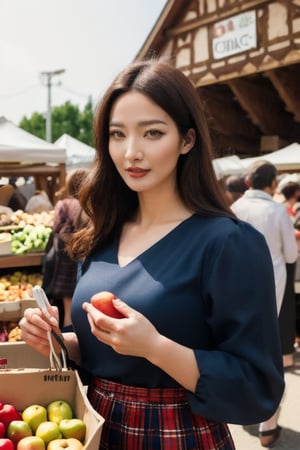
{"points": [[103, 302], [30, 238]]}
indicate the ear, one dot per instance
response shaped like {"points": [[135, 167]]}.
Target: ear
{"points": [[188, 141], [274, 185]]}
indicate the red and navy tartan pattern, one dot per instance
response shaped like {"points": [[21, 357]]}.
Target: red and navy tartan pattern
{"points": [[153, 419]]}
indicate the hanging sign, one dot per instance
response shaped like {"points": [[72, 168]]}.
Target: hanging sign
{"points": [[234, 35]]}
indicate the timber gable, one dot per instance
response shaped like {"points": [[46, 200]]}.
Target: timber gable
{"points": [[244, 58]]}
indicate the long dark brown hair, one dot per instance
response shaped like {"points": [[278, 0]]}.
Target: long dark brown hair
{"points": [[105, 198]]}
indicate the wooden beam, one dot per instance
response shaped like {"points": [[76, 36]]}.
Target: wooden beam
{"points": [[286, 82], [226, 114], [260, 100]]}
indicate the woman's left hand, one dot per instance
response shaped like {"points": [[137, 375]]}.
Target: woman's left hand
{"points": [[133, 335]]}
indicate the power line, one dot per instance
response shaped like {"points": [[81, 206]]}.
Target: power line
{"points": [[71, 91], [17, 94]]}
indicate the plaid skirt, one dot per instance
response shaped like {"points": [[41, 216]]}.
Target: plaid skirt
{"points": [[138, 418]]}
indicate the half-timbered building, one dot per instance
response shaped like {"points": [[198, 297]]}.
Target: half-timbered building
{"points": [[244, 58]]}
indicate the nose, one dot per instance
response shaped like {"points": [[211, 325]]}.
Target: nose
{"points": [[133, 149]]}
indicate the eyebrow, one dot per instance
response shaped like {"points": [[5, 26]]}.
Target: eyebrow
{"points": [[143, 123]]}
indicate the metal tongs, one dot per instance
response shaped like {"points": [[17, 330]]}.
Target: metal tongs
{"points": [[43, 303]]}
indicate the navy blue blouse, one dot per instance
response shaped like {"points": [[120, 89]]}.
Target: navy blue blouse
{"points": [[208, 285]]}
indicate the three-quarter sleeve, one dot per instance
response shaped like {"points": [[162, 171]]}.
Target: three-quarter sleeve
{"points": [[241, 376]]}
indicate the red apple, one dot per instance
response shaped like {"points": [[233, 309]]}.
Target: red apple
{"points": [[103, 302], [31, 443], [2, 430], [6, 444], [17, 430], [8, 413]]}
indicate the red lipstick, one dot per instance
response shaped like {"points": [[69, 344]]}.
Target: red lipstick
{"points": [[137, 172]]}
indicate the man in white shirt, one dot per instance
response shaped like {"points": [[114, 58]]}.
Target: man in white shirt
{"points": [[258, 207]]}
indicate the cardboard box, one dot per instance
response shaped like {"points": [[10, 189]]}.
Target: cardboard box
{"points": [[23, 387], [5, 248], [20, 355], [14, 311]]}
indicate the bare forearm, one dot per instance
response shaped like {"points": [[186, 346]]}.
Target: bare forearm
{"points": [[177, 361], [71, 343]]}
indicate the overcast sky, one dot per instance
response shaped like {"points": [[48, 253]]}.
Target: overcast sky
{"points": [[91, 39]]}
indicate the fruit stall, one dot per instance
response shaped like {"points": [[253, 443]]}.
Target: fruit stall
{"points": [[23, 239]]}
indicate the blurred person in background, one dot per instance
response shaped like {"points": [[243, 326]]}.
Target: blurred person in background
{"points": [[61, 272], [235, 186], [17, 200], [291, 194], [258, 208]]}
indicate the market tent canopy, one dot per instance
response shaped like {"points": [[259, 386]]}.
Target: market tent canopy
{"points": [[228, 165], [78, 153], [286, 159], [17, 145]]}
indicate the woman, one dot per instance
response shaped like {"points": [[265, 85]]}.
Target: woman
{"points": [[62, 278], [194, 284], [288, 322]]}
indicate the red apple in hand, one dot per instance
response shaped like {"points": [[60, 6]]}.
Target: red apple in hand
{"points": [[6, 444], [103, 302], [8, 413]]}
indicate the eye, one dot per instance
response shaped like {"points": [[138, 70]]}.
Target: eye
{"points": [[154, 133], [116, 134]]}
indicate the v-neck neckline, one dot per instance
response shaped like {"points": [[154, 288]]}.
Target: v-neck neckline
{"points": [[160, 240]]}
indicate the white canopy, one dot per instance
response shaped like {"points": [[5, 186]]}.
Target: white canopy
{"points": [[228, 165], [17, 145], [78, 153], [286, 159]]}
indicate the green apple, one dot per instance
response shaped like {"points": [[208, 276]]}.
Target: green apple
{"points": [[31, 443], [59, 410], [48, 431], [18, 429], [65, 444], [73, 428], [34, 415]]}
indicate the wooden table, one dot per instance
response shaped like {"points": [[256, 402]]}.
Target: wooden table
{"points": [[31, 259]]}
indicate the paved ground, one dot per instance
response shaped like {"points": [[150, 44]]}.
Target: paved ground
{"points": [[246, 438]]}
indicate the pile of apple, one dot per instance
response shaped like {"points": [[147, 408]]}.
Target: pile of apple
{"points": [[38, 427]]}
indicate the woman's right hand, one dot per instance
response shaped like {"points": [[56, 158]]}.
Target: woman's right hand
{"points": [[35, 326]]}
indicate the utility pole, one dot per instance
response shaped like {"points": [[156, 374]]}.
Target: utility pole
{"points": [[47, 76]]}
